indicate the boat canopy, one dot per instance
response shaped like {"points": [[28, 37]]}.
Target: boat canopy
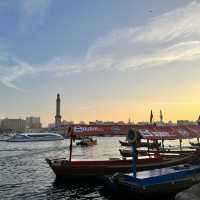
{"points": [[152, 132], [169, 132]]}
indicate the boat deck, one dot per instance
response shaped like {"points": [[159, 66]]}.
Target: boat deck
{"points": [[164, 171]]}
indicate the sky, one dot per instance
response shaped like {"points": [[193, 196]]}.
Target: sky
{"points": [[109, 60]]}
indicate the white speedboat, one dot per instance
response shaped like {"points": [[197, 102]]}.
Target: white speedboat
{"points": [[31, 137]]}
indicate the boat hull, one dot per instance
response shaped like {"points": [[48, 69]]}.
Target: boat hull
{"points": [[35, 137], [80, 169], [168, 184], [128, 152], [142, 144], [34, 140], [88, 143]]}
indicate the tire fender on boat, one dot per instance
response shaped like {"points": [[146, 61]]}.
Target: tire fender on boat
{"points": [[132, 136]]}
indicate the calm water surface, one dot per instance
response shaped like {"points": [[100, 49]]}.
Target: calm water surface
{"points": [[24, 174]]}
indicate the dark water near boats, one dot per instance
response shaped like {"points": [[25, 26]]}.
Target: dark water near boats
{"points": [[24, 173]]}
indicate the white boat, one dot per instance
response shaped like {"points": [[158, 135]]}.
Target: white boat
{"points": [[31, 137]]}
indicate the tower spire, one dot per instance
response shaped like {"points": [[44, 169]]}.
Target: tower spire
{"points": [[58, 116]]}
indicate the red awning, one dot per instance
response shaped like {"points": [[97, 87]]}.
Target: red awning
{"points": [[170, 133]]}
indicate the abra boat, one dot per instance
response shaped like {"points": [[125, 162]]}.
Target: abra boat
{"points": [[195, 144], [169, 180], [128, 152], [32, 137], [71, 169], [142, 144], [156, 182], [64, 168], [87, 141]]}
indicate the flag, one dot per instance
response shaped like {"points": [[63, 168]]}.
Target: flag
{"points": [[161, 116], [198, 121], [151, 117]]}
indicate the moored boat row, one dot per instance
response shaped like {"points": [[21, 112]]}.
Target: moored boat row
{"points": [[165, 168], [97, 168]]}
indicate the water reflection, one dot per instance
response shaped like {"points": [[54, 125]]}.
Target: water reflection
{"points": [[75, 190]]}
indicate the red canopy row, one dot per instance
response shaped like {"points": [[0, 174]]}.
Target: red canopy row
{"points": [[170, 132], [152, 132]]}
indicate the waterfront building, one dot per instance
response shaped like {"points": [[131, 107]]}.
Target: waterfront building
{"points": [[185, 122], [170, 123], [51, 126], [99, 122], [64, 122], [142, 123], [108, 123], [17, 125], [33, 123], [82, 123]]}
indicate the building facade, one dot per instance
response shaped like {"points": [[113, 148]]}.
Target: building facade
{"points": [[33, 123], [17, 125]]}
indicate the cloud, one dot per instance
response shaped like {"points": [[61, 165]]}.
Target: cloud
{"points": [[182, 22], [13, 69], [171, 37]]}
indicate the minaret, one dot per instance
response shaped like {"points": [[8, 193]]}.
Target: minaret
{"points": [[58, 116]]}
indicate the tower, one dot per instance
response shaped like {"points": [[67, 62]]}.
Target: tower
{"points": [[58, 116]]}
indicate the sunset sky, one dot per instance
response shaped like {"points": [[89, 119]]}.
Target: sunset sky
{"points": [[109, 60]]}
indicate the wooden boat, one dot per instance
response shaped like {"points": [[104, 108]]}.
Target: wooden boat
{"points": [[142, 144], [195, 144], [87, 141], [127, 152], [63, 168], [157, 182]]}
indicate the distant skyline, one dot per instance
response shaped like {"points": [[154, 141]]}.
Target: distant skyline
{"points": [[109, 60]]}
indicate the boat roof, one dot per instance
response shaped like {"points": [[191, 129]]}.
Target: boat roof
{"points": [[151, 132]]}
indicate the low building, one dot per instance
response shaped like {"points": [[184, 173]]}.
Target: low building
{"points": [[33, 123], [17, 125], [143, 123], [185, 122]]}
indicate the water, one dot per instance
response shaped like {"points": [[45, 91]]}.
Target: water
{"points": [[24, 174]]}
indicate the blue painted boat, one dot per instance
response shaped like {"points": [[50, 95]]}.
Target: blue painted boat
{"points": [[156, 182], [168, 180]]}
